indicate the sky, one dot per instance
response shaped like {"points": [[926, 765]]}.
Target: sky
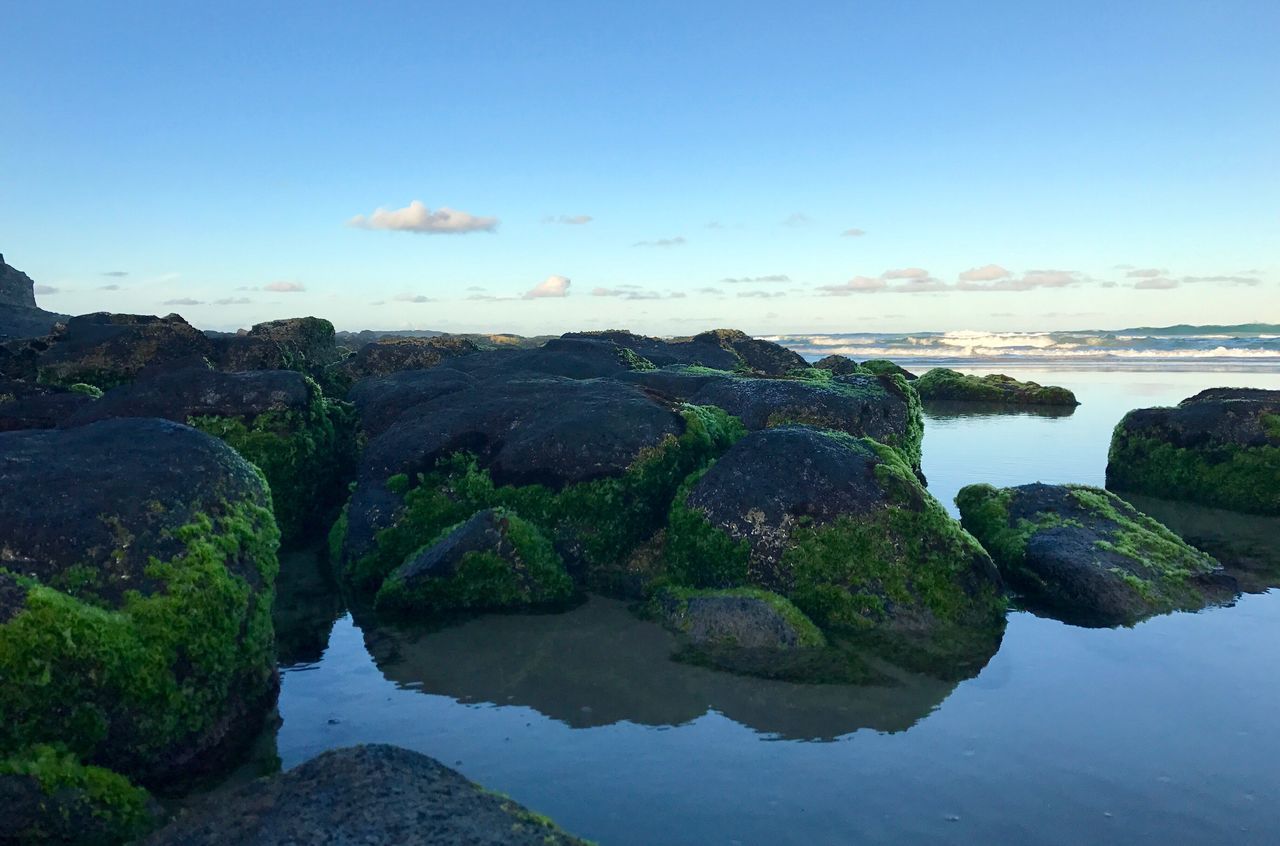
{"points": [[666, 167]]}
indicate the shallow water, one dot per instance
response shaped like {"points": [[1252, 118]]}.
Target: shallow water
{"points": [[1162, 733]]}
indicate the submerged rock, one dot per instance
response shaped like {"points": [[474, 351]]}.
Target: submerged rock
{"points": [[1219, 448], [139, 558], [940, 383], [493, 559], [363, 794], [392, 355], [1087, 556], [842, 528], [106, 349]]}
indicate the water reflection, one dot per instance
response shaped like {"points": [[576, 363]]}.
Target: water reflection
{"points": [[948, 409], [308, 602], [599, 664]]}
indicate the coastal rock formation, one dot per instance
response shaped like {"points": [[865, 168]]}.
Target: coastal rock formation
{"points": [[1088, 557], [304, 344], [1220, 448], [16, 288], [842, 528], [392, 355], [839, 365], [884, 367], [363, 794], [106, 349], [135, 597], [278, 419], [941, 383], [20, 317], [721, 349], [493, 559], [30, 405]]}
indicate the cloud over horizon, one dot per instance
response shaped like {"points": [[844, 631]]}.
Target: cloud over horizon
{"points": [[677, 241], [569, 219], [551, 287], [853, 232], [284, 287], [749, 280], [416, 217]]}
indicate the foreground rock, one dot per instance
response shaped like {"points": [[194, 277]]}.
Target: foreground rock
{"points": [[278, 419], [30, 405], [941, 383], [139, 558], [492, 560], [368, 795], [842, 528], [1087, 556], [1219, 448]]}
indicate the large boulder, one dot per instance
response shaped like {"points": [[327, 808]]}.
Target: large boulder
{"points": [[392, 355], [106, 350], [574, 358], [885, 367], [304, 344], [139, 558], [592, 462], [721, 349], [839, 365], [363, 794], [941, 383], [1220, 448], [494, 559], [380, 401], [842, 528], [1088, 557], [30, 405]]}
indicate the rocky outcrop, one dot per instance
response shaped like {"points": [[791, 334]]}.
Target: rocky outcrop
{"points": [[941, 383], [1220, 448], [721, 349], [491, 560], [304, 344], [135, 628], [392, 355], [29, 405], [363, 794], [20, 317], [839, 365], [16, 287], [1088, 557], [884, 367], [106, 350]]}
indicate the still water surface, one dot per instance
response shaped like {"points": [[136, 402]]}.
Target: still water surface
{"points": [[1165, 733]]}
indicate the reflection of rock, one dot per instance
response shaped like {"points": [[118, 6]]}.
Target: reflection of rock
{"points": [[1245, 544], [598, 665], [946, 409], [307, 604]]}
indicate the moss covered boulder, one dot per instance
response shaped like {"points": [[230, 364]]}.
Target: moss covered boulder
{"points": [[305, 344], [593, 463], [303, 442], [494, 559], [30, 405], [392, 355], [372, 794], [106, 350], [1219, 448], [722, 349], [136, 581], [842, 528], [941, 383], [1088, 557], [839, 365], [885, 367]]}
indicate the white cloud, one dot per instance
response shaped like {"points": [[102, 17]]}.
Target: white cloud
{"points": [[856, 285], [855, 232], [45, 289], [986, 273], [112, 287], [906, 273], [569, 219], [1223, 280], [183, 301], [284, 287], [1155, 283], [552, 286], [677, 241], [762, 294], [748, 280], [1145, 273], [116, 273], [416, 217], [233, 301], [1029, 281], [412, 298]]}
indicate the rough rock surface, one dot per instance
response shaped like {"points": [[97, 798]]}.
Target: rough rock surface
{"points": [[147, 559], [29, 405], [722, 349], [376, 795], [839, 365], [180, 395], [106, 349], [20, 317], [392, 355], [304, 344], [1220, 448], [1088, 557], [16, 287], [746, 619], [941, 383], [381, 400], [884, 367]]}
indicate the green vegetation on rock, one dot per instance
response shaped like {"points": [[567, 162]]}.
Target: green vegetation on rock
{"points": [[942, 383], [86, 389], [671, 603]]}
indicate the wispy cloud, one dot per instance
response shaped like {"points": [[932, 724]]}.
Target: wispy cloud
{"points": [[797, 219], [1155, 283], [46, 289], [552, 286], [986, 273], [226, 301], [416, 217], [568, 219], [761, 295], [677, 241], [119, 274], [284, 287], [905, 273], [856, 285], [749, 280], [1223, 280], [1145, 273], [855, 232], [1029, 281], [412, 298], [635, 292], [111, 287], [715, 292], [183, 301]]}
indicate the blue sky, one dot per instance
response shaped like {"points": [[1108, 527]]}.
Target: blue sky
{"points": [[1022, 165]]}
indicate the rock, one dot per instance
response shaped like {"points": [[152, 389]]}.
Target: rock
{"points": [[884, 367], [1219, 448], [721, 349], [842, 528], [16, 287], [839, 365], [373, 794], [29, 405], [883, 408], [941, 383], [591, 462], [392, 355], [106, 350], [1087, 556], [140, 557], [493, 559], [278, 419], [758, 356], [574, 358], [20, 317], [304, 344], [49, 797]]}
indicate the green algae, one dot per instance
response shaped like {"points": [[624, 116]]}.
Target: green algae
{"points": [[942, 383], [670, 603], [86, 389]]}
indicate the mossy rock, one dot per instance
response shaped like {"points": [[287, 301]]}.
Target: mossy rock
{"points": [[392, 355], [105, 350], [31, 405], [722, 349], [1085, 556], [50, 797], [304, 442], [941, 383], [141, 641], [885, 367], [307, 345], [842, 528], [840, 365], [1219, 448], [493, 560]]}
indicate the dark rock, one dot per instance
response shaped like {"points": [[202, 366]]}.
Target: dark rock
{"points": [[29, 405], [1219, 448], [1088, 557], [166, 528], [380, 401], [721, 349], [392, 355], [839, 365], [372, 794], [16, 287], [105, 349], [304, 344], [941, 383], [758, 356], [573, 358], [20, 317], [183, 394]]}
